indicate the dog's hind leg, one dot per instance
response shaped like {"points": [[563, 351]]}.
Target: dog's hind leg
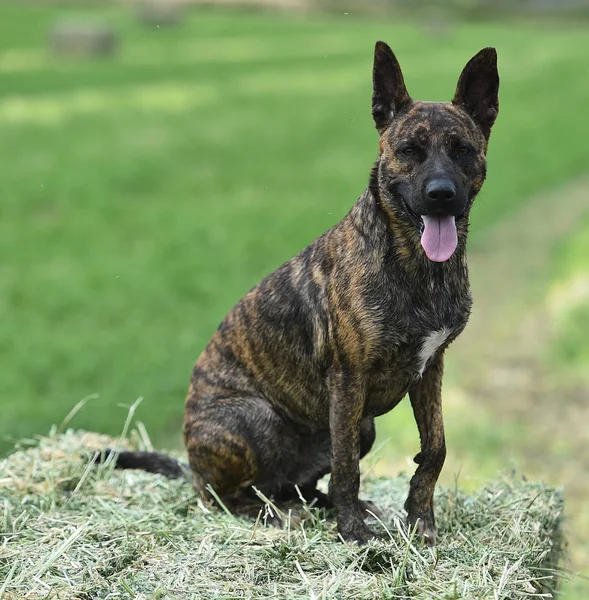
{"points": [[234, 442], [367, 436], [314, 461]]}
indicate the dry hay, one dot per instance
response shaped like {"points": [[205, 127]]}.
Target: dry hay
{"points": [[70, 529]]}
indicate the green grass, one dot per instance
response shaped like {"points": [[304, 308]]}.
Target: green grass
{"points": [[142, 196], [569, 301], [71, 531]]}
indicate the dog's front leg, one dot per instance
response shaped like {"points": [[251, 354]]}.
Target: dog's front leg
{"points": [[347, 397], [426, 400]]}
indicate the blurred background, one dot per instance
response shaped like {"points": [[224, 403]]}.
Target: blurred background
{"points": [[159, 158]]}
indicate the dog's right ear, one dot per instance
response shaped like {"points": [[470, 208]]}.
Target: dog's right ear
{"points": [[389, 94]]}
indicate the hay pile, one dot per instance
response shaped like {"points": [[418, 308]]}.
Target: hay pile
{"points": [[69, 531]]}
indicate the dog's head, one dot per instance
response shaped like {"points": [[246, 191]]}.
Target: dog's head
{"points": [[432, 154]]}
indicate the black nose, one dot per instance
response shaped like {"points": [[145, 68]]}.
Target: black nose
{"points": [[441, 190]]}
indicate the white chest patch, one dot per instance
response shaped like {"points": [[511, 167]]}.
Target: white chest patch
{"points": [[429, 346]]}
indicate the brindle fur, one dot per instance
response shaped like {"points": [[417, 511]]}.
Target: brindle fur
{"points": [[289, 385]]}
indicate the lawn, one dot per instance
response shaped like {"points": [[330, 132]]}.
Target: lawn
{"points": [[143, 195], [569, 300]]}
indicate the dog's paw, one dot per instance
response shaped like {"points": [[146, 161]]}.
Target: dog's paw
{"points": [[426, 527], [358, 533]]}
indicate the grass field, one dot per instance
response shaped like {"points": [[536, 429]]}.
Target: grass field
{"points": [[143, 195], [570, 301]]}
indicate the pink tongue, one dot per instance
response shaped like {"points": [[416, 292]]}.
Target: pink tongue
{"points": [[439, 238]]}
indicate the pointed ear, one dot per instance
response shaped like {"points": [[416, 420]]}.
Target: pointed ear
{"points": [[389, 94], [478, 89]]}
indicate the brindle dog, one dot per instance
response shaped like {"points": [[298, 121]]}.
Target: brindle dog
{"points": [[289, 385]]}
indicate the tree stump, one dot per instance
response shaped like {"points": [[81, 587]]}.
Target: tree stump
{"points": [[83, 38]]}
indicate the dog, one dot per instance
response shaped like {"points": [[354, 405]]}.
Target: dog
{"points": [[288, 387]]}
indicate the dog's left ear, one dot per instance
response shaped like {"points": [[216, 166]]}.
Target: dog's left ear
{"points": [[478, 89], [389, 95]]}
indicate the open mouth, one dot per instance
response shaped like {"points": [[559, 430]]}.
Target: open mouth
{"points": [[439, 237]]}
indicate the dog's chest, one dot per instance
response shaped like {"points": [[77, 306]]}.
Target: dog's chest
{"points": [[426, 328], [409, 340], [389, 379], [429, 346]]}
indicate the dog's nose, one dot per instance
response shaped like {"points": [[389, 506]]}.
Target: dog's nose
{"points": [[441, 190]]}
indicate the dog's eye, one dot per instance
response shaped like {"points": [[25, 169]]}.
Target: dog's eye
{"points": [[409, 151], [463, 150]]}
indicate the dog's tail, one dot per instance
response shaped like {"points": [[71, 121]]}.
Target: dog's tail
{"points": [[152, 462]]}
